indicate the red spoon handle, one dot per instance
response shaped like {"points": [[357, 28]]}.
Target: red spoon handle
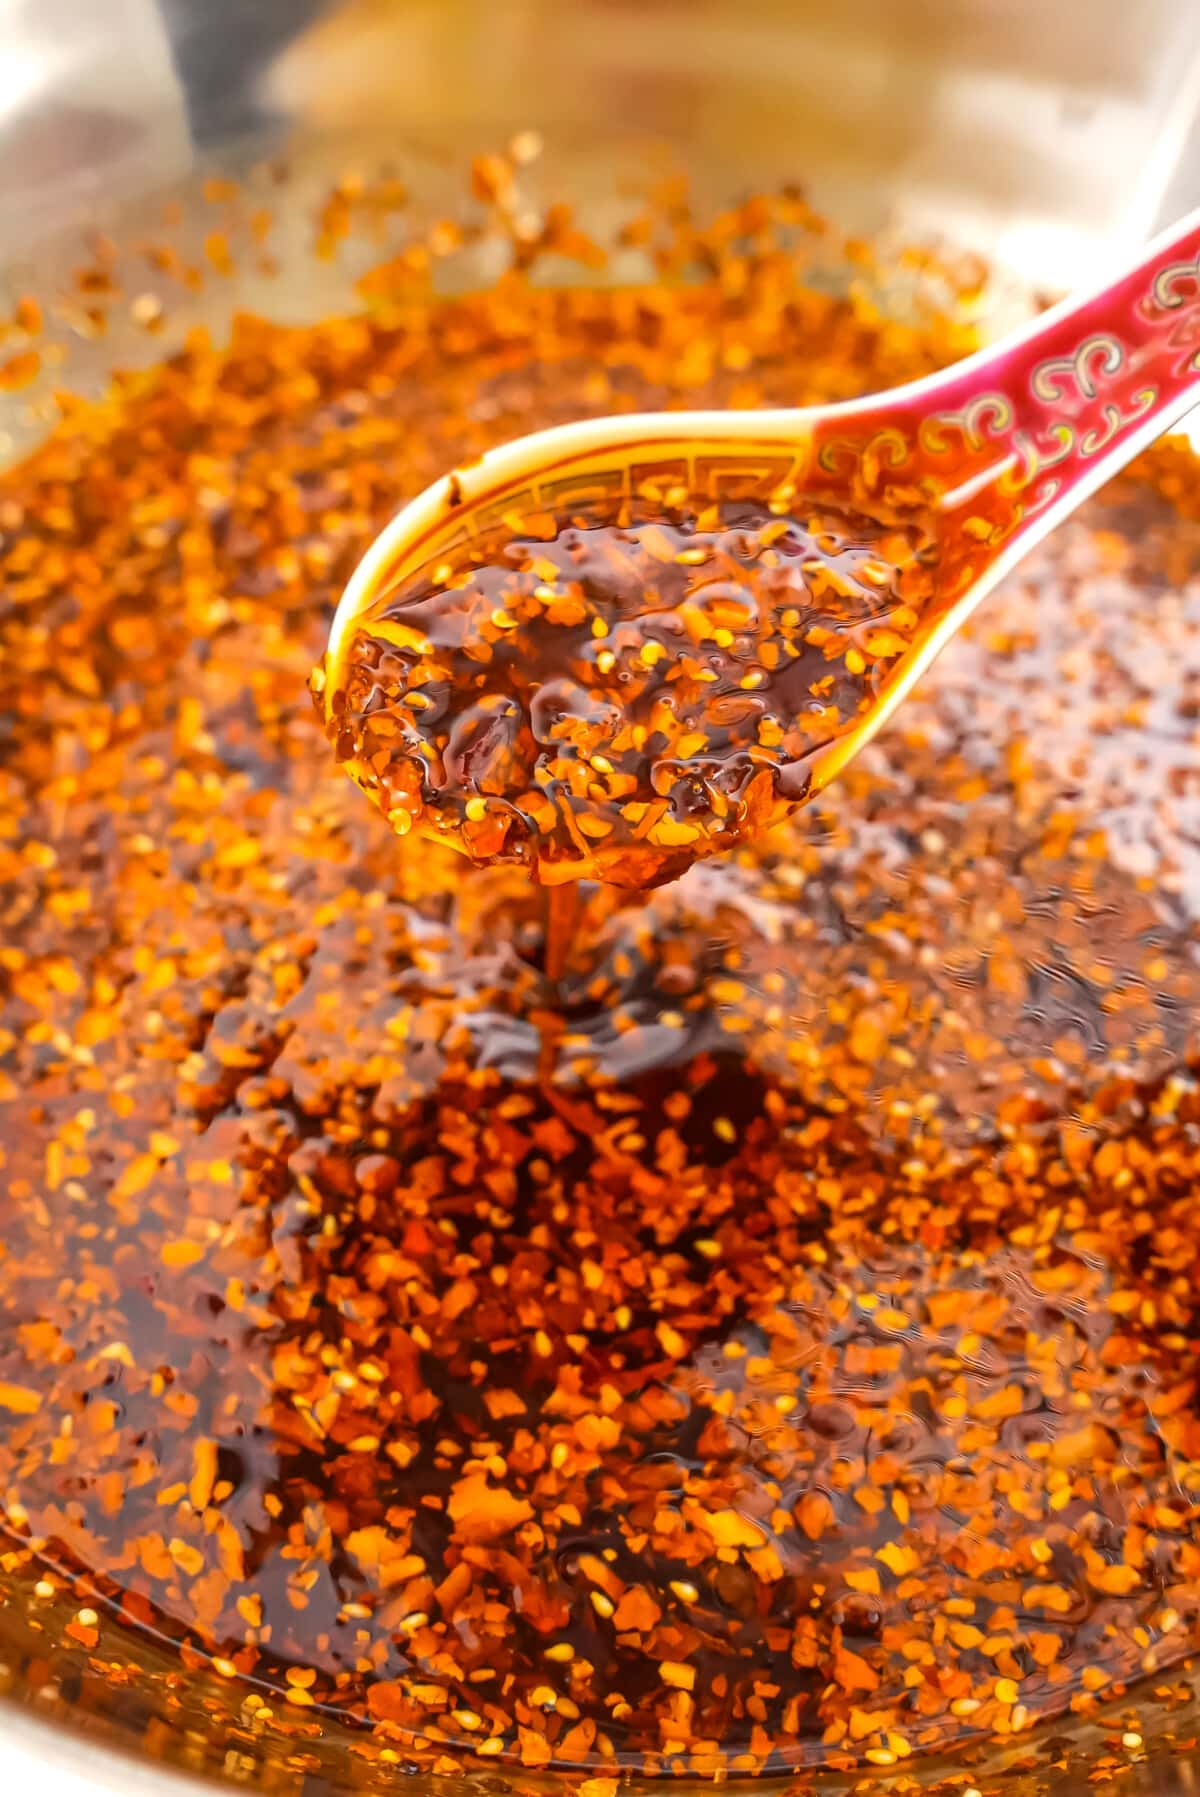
{"points": [[1013, 438], [1089, 383]]}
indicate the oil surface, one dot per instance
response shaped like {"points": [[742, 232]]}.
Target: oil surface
{"points": [[797, 1367]]}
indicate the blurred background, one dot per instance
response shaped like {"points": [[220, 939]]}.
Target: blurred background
{"points": [[1044, 131]]}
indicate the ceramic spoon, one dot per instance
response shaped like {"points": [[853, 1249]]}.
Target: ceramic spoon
{"points": [[998, 449]]}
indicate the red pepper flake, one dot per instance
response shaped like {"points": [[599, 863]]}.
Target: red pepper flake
{"points": [[20, 370]]}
